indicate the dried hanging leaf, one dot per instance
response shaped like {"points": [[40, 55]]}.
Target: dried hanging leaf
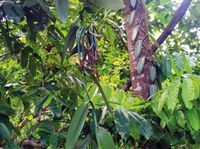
{"points": [[131, 17], [140, 65], [133, 3], [134, 32], [138, 47], [152, 73]]}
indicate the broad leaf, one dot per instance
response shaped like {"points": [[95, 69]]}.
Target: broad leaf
{"points": [[141, 123], [122, 123], [193, 117], [76, 126], [188, 92], [105, 139], [4, 133]]}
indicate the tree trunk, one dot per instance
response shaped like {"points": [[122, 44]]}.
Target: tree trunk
{"points": [[140, 81]]}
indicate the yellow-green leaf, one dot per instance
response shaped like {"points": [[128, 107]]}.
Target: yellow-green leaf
{"points": [[188, 93]]}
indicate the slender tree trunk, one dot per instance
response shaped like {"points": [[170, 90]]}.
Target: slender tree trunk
{"points": [[135, 17]]}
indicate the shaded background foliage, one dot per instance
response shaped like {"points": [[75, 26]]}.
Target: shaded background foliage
{"points": [[42, 89]]}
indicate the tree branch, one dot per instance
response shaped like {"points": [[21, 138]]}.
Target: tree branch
{"points": [[174, 21]]}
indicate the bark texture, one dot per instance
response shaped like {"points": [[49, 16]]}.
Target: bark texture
{"points": [[140, 82]]}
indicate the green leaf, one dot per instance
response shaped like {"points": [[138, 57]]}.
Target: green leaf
{"points": [[173, 92], [187, 66], [76, 126], [178, 60], [53, 141], [135, 133], [196, 88], [161, 101], [142, 124], [122, 123], [193, 118], [62, 8], [134, 32], [188, 93], [4, 133], [105, 139], [140, 65], [166, 66], [110, 34], [131, 17], [110, 4], [138, 47], [39, 104], [32, 65], [6, 109], [152, 73], [180, 118], [24, 56]]}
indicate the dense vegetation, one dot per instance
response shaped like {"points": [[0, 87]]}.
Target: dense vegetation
{"points": [[63, 65]]}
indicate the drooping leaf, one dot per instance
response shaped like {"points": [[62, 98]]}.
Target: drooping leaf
{"points": [[134, 32], [141, 123], [180, 118], [187, 66], [173, 92], [76, 126], [110, 4], [140, 65], [178, 60], [122, 123], [4, 133], [134, 132], [193, 117], [39, 104], [131, 17], [105, 139], [166, 66], [196, 88], [152, 73], [7, 110], [32, 65], [188, 93], [161, 101], [62, 8], [138, 48]]}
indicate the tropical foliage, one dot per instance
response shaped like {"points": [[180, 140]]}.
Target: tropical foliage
{"points": [[62, 67]]}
